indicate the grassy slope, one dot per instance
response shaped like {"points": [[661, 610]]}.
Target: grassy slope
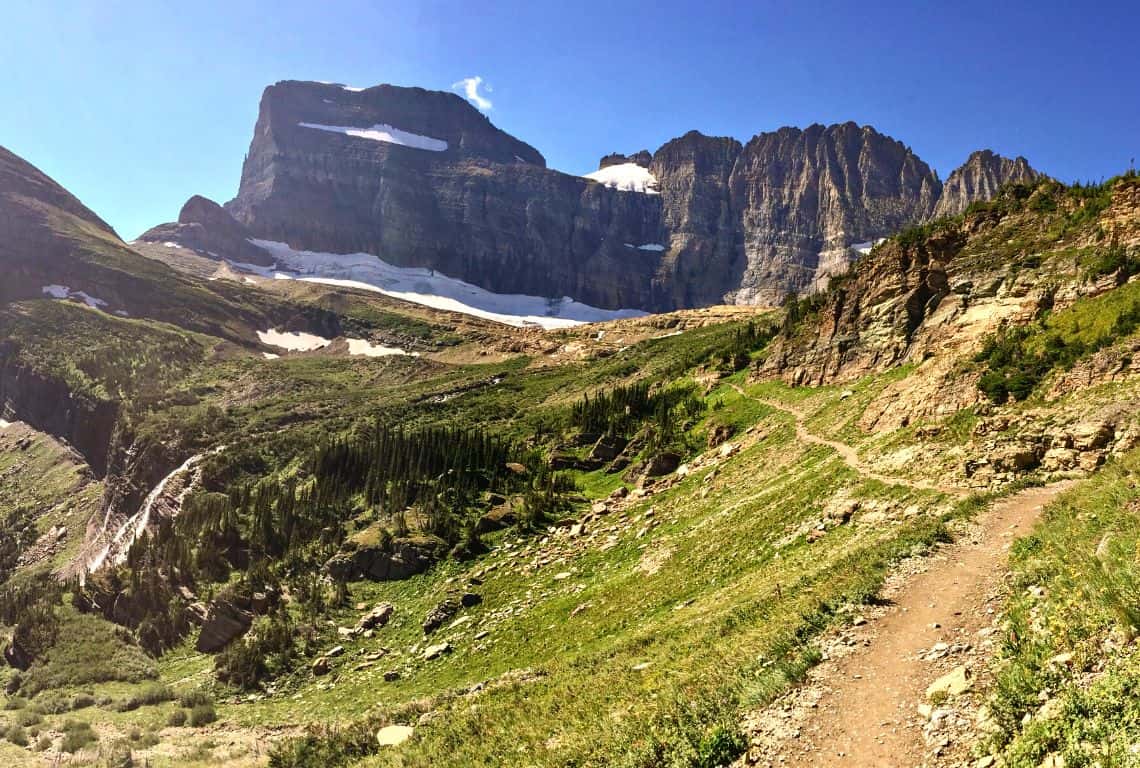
{"points": [[709, 623], [1077, 591]]}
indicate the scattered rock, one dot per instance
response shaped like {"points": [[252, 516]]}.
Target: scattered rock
{"points": [[435, 651], [440, 615]]}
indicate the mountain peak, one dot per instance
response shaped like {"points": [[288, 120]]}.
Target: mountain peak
{"points": [[980, 178]]}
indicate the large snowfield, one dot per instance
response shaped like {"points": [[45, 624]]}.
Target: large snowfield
{"points": [[428, 288], [629, 177]]}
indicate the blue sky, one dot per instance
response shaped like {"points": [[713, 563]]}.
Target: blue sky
{"points": [[135, 106]]}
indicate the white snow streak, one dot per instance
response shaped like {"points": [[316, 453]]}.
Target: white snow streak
{"points": [[130, 530], [628, 177], [656, 247], [427, 287], [384, 133]]}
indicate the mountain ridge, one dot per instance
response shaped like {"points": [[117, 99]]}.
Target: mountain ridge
{"points": [[421, 178]]}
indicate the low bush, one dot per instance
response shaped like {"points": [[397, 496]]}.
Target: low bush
{"points": [[203, 714], [77, 734]]}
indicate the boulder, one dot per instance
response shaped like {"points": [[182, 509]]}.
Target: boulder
{"points": [[1091, 435], [500, 517], [607, 448], [435, 651], [955, 682], [224, 623], [377, 617], [662, 464], [391, 735]]}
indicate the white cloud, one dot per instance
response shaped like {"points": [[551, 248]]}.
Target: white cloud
{"points": [[470, 88]]}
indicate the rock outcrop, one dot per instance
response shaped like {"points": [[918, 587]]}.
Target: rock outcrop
{"points": [[401, 559], [980, 178], [422, 179], [206, 227]]}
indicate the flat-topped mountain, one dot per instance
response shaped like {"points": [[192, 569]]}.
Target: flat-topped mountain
{"points": [[422, 179]]}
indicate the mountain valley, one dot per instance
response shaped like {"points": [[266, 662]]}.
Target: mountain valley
{"points": [[420, 453]]}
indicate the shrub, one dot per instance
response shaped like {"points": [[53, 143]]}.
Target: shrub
{"points": [[15, 702], [53, 704], [191, 699], [177, 718], [119, 755], [148, 739], [28, 717], [149, 696], [720, 747], [43, 744], [82, 701], [76, 735], [203, 714], [17, 736]]}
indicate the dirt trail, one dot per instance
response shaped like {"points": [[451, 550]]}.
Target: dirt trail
{"points": [[860, 710], [849, 455]]}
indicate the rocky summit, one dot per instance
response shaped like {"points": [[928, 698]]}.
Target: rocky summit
{"points": [[421, 178]]}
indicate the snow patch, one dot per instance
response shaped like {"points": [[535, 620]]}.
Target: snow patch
{"points": [[656, 247], [63, 292], [92, 301], [5, 424], [864, 248], [427, 287], [368, 349], [170, 244], [628, 177], [384, 133], [294, 341]]}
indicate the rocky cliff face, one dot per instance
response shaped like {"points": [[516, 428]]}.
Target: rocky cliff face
{"points": [[420, 178], [805, 196], [980, 178], [429, 182]]}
